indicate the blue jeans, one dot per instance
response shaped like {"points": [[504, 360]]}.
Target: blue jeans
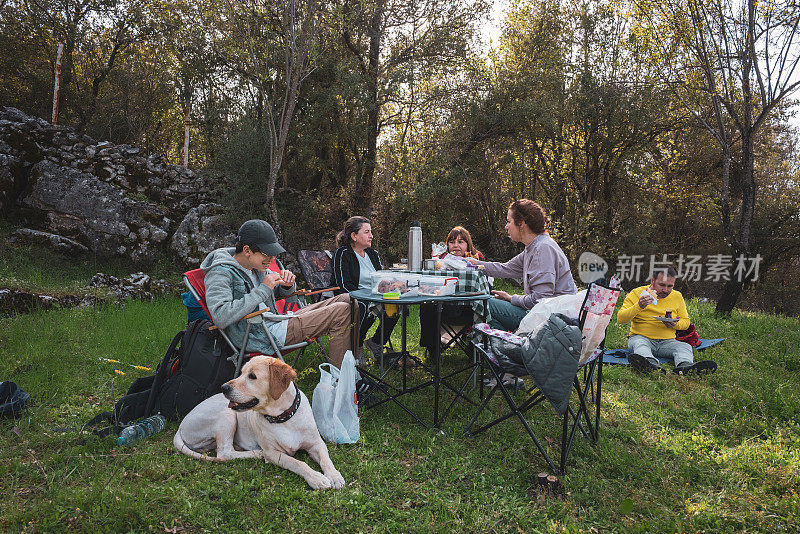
{"points": [[680, 352], [505, 316]]}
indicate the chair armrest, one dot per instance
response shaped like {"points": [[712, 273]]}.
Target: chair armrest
{"points": [[255, 314], [306, 292], [258, 316], [266, 314]]}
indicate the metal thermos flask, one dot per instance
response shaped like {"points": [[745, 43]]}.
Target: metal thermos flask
{"points": [[415, 247]]}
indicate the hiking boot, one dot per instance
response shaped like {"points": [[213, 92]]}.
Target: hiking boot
{"points": [[374, 348], [706, 367], [642, 365]]}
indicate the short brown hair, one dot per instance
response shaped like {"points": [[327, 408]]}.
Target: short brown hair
{"points": [[529, 212], [463, 233]]}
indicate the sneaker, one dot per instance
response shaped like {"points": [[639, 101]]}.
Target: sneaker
{"points": [[490, 382], [643, 365], [407, 362], [706, 367], [374, 348], [365, 389], [512, 381], [509, 381]]}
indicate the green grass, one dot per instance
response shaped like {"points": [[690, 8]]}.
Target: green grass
{"points": [[717, 454], [31, 268]]}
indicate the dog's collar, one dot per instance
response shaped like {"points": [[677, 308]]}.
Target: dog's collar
{"points": [[289, 412]]}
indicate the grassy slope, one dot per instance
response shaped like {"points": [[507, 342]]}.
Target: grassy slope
{"points": [[716, 454], [31, 268], [713, 454]]}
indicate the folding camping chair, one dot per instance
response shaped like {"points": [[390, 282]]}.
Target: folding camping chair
{"points": [[195, 282], [594, 316], [317, 269]]}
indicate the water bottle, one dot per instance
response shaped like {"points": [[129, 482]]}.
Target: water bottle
{"points": [[141, 430], [415, 247]]}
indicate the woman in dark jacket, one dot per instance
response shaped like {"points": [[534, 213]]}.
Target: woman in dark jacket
{"points": [[353, 264]]}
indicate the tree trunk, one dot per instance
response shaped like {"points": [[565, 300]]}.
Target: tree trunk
{"points": [[57, 84], [67, 67], [187, 111], [296, 63], [729, 297], [272, 206], [733, 287], [362, 199]]}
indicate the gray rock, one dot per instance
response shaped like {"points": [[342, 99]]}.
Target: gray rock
{"points": [[14, 301], [201, 231], [7, 181], [55, 242], [138, 286], [15, 115], [98, 193], [82, 207]]}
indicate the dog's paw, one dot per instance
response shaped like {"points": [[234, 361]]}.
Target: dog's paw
{"points": [[318, 481], [336, 478]]}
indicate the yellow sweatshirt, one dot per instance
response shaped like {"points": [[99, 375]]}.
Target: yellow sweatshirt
{"points": [[642, 322]]}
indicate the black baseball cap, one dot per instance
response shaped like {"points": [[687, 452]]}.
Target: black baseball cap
{"points": [[258, 233]]}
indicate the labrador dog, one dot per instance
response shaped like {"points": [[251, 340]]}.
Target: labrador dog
{"points": [[260, 414]]}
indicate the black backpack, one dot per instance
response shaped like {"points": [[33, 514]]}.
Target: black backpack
{"points": [[194, 368]]}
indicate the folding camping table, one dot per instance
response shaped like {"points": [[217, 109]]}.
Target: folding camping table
{"points": [[395, 394]]}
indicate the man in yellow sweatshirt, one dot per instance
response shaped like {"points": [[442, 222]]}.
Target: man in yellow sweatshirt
{"points": [[652, 334]]}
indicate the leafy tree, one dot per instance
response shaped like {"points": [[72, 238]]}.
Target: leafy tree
{"points": [[739, 60], [393, 42], [272, 47]]}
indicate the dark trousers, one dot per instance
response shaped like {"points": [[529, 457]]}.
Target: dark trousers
{"points": [[451, 314], [387, 325]]}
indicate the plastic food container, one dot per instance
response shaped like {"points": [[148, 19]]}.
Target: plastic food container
{"points": [[437, 285], [404, 284]]}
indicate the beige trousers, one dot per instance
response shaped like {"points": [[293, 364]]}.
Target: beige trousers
{"points": [[326, 318]]}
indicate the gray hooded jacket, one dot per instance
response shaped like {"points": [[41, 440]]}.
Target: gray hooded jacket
{"points": [[229, 297]]}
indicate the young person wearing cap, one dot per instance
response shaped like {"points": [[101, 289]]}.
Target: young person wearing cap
{"points": [[238, 281]]}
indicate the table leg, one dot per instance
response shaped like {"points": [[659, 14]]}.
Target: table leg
{"points": [[436, 370], [383, 341], [403, 359], [354, 330]]}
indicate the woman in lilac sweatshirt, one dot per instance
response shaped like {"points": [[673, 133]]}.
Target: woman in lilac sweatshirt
{"points": [[542, 266]]}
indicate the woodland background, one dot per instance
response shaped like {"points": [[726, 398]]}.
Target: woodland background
{"points": [[642, 127]]}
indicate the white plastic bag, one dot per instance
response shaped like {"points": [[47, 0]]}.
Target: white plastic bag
{"points": [[569, 305], [334, 402]]}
